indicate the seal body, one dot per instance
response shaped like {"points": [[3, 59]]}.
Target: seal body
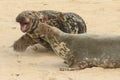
{"points": [[94, 50], [82, 50], [29, 20]]}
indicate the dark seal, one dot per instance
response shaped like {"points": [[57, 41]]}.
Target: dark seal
{"points": [[29, 20]]}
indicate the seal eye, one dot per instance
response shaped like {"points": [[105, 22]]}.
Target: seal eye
{"points": [[29, 13]]}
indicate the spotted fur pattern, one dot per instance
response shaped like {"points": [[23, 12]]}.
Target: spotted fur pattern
{"points": [[29, 20]]}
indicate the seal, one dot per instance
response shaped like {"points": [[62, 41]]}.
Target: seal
{"points": [[67, 22], [81, 51]]}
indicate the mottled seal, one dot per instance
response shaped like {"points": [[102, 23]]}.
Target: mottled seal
{"points": [[82, 50], [29, 20]]}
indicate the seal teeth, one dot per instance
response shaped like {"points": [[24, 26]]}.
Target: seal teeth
{"points": [[42, 36]]}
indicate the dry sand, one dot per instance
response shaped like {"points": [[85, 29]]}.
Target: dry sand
{"points": [[101, 16]]}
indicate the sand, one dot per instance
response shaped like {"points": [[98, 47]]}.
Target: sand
{"points": [[101, 16]]}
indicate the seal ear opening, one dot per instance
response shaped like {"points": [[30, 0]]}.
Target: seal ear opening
{"points": [[42, 35]]}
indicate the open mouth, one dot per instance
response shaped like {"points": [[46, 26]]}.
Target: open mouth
{"points": [[24, 26]]}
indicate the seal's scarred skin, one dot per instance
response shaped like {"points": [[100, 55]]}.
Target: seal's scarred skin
{"points": [[29, 20], [82, 51]]}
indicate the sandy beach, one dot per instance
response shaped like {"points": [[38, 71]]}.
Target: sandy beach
{"points": [[101, 17]]}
